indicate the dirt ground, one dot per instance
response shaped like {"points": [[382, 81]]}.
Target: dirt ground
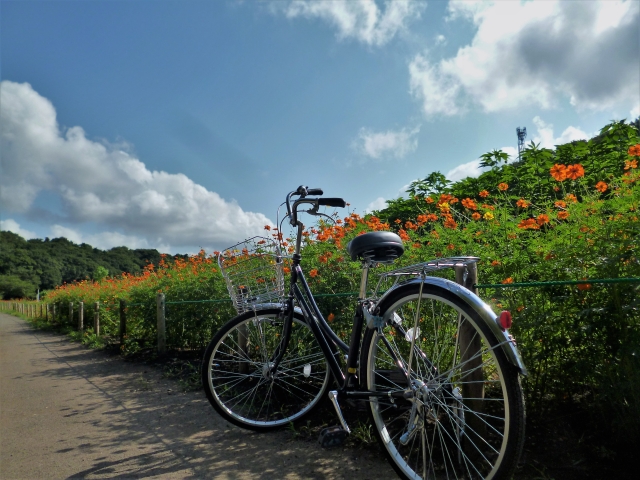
{"points": [[70, 412]]}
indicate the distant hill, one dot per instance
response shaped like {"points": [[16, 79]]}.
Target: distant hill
{"points": [[26, 265]]}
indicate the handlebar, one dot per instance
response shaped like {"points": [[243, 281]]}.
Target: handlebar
{"points": [[302, 192]]}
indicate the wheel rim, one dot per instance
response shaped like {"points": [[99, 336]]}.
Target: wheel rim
{"points": [[457, 399], [240, 379]]}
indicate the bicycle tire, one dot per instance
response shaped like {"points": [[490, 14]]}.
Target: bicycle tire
{"points": [[469, 413], [235, 371]]}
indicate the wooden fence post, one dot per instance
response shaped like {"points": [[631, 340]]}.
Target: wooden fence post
{"points": [[46, 312], [123, 321], [80, 316], [472, 374], [162, 339], [53, 314], [70, 313], [96, 318]]}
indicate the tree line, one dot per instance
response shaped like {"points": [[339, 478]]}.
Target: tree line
{"points": [[29, 265]]}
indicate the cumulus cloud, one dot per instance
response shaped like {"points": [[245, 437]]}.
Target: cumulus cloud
{"points": [[534, 53], [102, 183], [473, 168], [389, 144], [546, 138], [12, 226], [363, 20], [378, 204]]}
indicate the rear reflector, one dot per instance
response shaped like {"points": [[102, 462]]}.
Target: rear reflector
{"points": [[505, 320]]}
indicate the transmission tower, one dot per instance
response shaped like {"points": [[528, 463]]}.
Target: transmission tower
{"points": [[522, 134]]}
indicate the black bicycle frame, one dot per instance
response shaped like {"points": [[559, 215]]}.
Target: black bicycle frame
{"points": [[330, 344]]}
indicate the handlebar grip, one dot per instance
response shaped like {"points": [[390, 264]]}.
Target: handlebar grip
{"points": [[332, 202], [314, 191]]}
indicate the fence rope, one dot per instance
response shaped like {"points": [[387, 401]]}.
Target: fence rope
{"points": [[558, 282]]}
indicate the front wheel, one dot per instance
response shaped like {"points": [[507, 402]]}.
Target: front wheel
{"points": [[461, 412], [238, 378]]}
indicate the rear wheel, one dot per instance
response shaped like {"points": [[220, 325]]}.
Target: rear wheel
{"points": [[237, 377], [462, 415]]}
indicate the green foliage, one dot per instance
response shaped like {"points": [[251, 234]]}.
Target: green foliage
{"points": [[602, 158], [27, 265], [12, 286], [100, 273]]}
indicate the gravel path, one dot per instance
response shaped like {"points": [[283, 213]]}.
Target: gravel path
{"points": [[70, 412]]}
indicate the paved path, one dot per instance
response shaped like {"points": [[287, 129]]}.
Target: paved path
{"points": [[70, 412]]}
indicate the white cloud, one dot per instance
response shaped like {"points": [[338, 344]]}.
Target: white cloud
{"points": [[378, 204], [473, 168], [635, 112], [363, 20], [389, 144], [12, 226], [105, 184], [469, 169], [533, 53], [546, 138]]}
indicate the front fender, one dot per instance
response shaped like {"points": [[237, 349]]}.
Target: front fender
{"points": [[484, 311]]}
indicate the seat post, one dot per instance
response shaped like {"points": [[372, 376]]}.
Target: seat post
{"points": [[363, 280]]}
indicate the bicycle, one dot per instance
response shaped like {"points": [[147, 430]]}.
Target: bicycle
{"points": [[436, 367]]}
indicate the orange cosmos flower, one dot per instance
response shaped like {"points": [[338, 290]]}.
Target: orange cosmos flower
{"points": [[507, 280], [634, 150], [451, 246], [542, 219], [601, 187], [331, 318], [469, 203], [529, 224], [575, 171], [503, 187], [429, 200], [495, 263], [560, 204], [522, 203], [313, 273], [563, 215], [630, 164], [571, 198], [559, 172], [476, 216], [450, 223], [484, 194], [397, 220], [403, 235]]}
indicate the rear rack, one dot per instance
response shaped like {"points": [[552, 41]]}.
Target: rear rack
{"points": [[423, 269]]}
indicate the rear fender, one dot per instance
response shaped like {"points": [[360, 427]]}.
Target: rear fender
{"points": [[484, 311]]}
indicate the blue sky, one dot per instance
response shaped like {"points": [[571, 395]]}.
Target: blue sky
{"points": [[180, 125]]}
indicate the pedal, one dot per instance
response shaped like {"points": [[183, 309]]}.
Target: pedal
{"points": [[332, 436]]}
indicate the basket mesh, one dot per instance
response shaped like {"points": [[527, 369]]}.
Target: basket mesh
{"points": [[254, 272]]}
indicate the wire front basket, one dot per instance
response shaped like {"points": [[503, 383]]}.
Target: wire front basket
{"points": [[254, 272]]}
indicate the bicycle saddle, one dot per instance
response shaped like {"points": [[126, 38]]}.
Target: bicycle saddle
{"points": [[376, 246]]}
